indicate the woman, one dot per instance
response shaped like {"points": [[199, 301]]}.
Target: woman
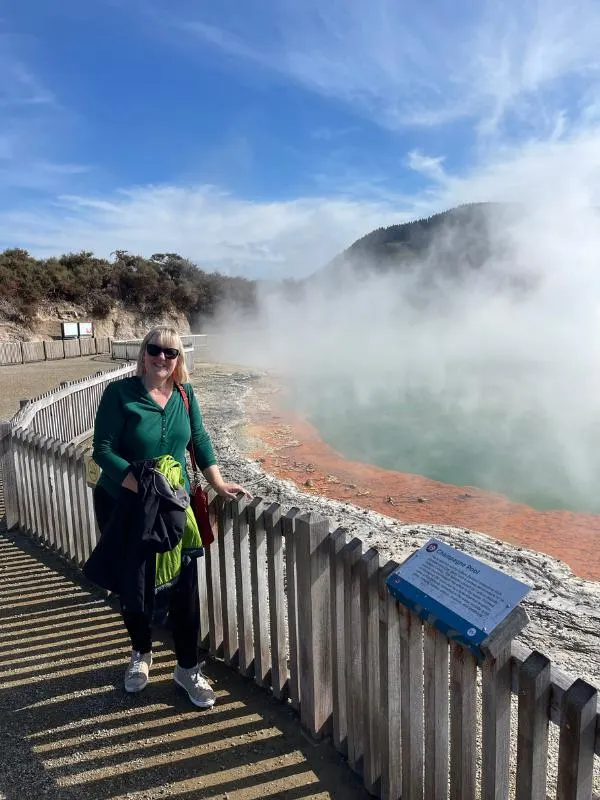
{"points": [[141, 418]]}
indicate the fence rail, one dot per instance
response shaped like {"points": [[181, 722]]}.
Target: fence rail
{"points": [[51, 349], [304, 611]]}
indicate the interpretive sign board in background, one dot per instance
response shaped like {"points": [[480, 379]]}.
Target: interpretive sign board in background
{"points": [[70, 330], [459, 595], [86, 329]]}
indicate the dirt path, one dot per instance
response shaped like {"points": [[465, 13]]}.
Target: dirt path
{"points": [[29, 380], [69, 731]]}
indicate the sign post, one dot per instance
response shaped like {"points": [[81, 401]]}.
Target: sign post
{"points": [[470, 602]]}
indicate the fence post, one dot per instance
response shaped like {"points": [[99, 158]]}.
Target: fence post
{"points": [[577, 742], [391, 688], [227, 577], [436, 709], [260, 602], [351, 554], [495, 752], [243, 594], [275, 582], [463, 716], [532, 736], [314, 623], [412, 705], [288, 524], [338, 541], [369, 612], [7, 460]]}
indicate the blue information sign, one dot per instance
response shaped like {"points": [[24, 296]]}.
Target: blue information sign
{"points": [[459, 595]]}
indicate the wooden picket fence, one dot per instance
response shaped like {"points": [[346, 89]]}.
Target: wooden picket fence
{"points": [[304, 612], [52, 349]]}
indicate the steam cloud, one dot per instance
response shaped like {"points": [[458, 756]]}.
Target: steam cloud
{"points": [[490, 379]]}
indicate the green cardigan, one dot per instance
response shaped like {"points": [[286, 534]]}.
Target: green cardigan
{"points": [[131, 426]]}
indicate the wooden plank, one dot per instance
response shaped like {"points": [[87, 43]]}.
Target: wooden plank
{"points": [[11, 353], [314, 623], [19, 467], [503, 634], [45, 490], [436, 707], [369, 609], [576, 747], [33, 351], [411, 659], [54, 350], [351, 554], [227, 578], [59, 498], [31, 485], [69, 518], [463, 723], [495, 748], [83, 503], [241, 553], [46, 487], [260, 602], [288, 525], [215, 614], [391, 689], [18, 445], [76, 509], [69, 501], [532, 735], [337, 541], [278, 627], [559, 682], [203, 634], [7, 457]]}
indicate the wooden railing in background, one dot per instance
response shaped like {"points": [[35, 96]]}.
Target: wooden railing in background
{"points": [[52, 349], [305, 613]]}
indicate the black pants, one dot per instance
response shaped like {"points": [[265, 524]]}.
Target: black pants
{"points": [[183, 603]]}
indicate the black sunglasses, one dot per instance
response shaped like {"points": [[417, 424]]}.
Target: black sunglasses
{"points": [[169, 352]]}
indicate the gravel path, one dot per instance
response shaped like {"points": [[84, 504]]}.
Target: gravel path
{"points": [[29, 380]]}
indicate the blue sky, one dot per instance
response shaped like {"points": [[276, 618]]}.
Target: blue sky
{"points": [[259, 137]]}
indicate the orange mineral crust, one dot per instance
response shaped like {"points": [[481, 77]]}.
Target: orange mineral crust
{"points": [[290, 448]]}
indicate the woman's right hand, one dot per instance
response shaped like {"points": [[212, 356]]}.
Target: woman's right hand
{"points": [[129, 482]]}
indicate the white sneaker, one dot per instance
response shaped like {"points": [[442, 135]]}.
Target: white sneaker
{"points": [[196, 685], [136, 674]]}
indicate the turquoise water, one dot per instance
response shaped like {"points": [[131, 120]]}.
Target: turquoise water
{"points": [[481, 439]]}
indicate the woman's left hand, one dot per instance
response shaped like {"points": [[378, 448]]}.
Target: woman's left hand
{"points": [[231, 490]]}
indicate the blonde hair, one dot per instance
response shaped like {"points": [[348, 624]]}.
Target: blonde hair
{"points": [[165, 337]]}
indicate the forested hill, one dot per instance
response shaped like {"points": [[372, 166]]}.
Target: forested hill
{"points": [[158, 284], [455, 239]]}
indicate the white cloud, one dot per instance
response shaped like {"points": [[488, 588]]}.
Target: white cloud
{"points": [[428, 166], [215, 229], [410, 64]]}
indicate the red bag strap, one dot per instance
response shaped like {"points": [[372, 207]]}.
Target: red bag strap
{"points": [[186, 403]]}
